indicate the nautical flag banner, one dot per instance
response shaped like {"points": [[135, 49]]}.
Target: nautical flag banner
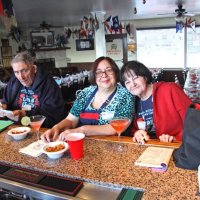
{"points": [[191, 23], [108, 24], [8, 7], [1, 8], [115, 23], [96, 23], [179, 27]]}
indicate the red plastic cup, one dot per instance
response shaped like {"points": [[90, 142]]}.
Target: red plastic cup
{"points": [[75, 142]]}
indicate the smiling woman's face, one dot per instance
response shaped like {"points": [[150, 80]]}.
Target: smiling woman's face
{"points": [[24, 73], [105, 76], [136, 85]]}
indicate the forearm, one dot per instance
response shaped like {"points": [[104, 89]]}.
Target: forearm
{"points": [[90, 130], [64, 124], [4, 106]]}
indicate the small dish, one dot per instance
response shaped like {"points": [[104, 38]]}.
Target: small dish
{"points": [[19, 133], [54, 146]]}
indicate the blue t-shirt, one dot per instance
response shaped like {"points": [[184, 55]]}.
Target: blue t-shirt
{"points": [[122, 104], [28, 97], [145, 111]]}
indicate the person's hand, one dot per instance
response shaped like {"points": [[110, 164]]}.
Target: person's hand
{"points": [[51, 134], [20, 113], [140, 136], [63, 135], [166, 138]]}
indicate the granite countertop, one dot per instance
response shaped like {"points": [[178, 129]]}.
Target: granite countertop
{"points": [[103, 164]]}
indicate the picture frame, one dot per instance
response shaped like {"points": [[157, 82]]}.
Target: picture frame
{"points": [[6, 51], [42, 39], [84, 44]]}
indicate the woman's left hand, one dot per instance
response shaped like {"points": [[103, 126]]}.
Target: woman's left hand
{"points": [[63, 135], [166, 138]]}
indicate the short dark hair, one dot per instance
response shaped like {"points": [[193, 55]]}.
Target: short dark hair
{"points": [[95, 65], [138, 68]]}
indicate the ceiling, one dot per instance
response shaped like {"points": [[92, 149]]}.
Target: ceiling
{"points": [[30, 13]]}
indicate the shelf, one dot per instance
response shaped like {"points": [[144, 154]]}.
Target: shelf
{"points": [[52, 49]]}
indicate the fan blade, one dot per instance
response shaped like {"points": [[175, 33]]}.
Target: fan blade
{"points": [[166, 14], [190, 14]]}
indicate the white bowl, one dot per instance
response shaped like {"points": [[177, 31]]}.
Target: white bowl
{"points": [[19, 133], [55, 154]]}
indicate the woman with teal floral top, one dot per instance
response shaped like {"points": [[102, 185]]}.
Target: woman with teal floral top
{"points": [[96, 105]]}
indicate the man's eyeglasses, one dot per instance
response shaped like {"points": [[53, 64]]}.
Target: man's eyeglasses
{"points": [[107, 71]]}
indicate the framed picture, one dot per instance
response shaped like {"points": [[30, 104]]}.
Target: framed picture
{"points": [[84, 44], [6, 51], [42, 39]]}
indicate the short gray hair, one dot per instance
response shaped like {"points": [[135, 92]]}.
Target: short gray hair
{"points": [[25, 57]]}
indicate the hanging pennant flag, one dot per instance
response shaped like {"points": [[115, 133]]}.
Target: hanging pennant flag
{"points": [[8, 7], [1, 8], [96, 23], [179, 27], [115, 26], [108, 24], [120, 27], [85, 22], [128, 28], [191, 23]]}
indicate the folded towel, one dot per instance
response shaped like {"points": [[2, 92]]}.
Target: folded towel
{"points": [[32, 149], [4, 124]]}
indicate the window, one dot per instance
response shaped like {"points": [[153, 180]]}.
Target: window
{"points": [[193, 47], [164, 48]]}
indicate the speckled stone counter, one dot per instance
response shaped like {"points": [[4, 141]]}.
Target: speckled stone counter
{"points": [[103, 164]]}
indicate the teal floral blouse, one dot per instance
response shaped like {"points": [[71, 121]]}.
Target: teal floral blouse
{"points": [[122, 104]]}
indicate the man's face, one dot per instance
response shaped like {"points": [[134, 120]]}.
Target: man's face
{"points": [[24, 73]]}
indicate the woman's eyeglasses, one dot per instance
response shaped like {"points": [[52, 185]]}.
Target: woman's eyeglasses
{"points": [[107, 71]]}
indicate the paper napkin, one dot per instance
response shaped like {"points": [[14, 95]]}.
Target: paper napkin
{"points": [[32, 149]]}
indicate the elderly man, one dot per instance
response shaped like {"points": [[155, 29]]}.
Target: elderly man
{"points": [[33, 88]]}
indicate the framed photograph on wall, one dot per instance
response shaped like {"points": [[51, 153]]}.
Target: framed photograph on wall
{"points": [[84, 44], [42, 39]]}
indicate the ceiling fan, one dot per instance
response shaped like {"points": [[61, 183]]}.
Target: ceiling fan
{"points": [[180, 13]]}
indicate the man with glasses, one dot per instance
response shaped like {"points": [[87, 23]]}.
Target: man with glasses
{"points": [[32, 89]]}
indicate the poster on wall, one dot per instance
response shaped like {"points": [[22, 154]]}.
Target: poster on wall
{"points": [[114, 49]]}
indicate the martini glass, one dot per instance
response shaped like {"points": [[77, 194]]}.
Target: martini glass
{"points": [[36, 122], [120, 124]]}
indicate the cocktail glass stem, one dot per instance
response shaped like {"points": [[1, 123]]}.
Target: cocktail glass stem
{"points": [[120, 124], [36, 122]]}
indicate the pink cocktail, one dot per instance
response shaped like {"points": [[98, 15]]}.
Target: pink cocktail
{"points": [[120, 124], [36, 123]]}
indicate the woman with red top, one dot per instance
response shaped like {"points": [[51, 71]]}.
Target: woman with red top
{"points": [[161, 105]]}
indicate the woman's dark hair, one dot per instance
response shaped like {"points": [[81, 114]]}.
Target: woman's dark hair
{"points": [[138, 68], [95, 65]]}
